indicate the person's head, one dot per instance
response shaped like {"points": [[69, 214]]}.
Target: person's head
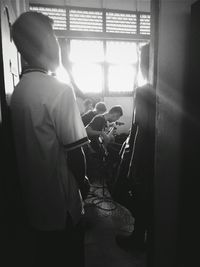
{"points": [[115, 113], [88, 104], [144, 61], [34, 38], [100, 107]]}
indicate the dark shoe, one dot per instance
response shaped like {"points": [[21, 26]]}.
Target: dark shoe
{"points": [[128, 243]]}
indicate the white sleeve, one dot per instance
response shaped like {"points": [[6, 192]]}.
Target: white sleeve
{"points": [[70, 130]]}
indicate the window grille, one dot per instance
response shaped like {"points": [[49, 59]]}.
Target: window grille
{"points": [[121, 23], [97, 21], [57, 14], [82, 20], [145, 24]]}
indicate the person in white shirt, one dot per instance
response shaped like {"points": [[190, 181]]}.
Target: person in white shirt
{"points": [[49, 135]]}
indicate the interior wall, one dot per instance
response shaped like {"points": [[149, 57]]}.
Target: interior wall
{"points": [[173, 44], [8, 173]]}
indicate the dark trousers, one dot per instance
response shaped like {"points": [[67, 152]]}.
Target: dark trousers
{"points": [[55, 248], [141, 212]]}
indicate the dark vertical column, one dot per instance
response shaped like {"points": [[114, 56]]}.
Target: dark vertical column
{"points": [[153, 56], [11, 209], [189, 227]]}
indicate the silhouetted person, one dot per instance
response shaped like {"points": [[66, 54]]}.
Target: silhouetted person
{"points": [[97, 127], [49, 134], [88, 105], [99, 108], [143, 161]]}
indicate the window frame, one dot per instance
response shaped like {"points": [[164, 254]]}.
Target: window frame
{"points": [[104, 36]]}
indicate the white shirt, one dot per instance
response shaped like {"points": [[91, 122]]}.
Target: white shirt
{"points": [[47, 123]]}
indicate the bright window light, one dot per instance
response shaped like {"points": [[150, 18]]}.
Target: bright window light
{"points": [[82, 51], [121, 52], [62, 75], [121, 78], [87, 58], [88, 77]]}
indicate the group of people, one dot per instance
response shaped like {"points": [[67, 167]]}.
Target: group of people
{"points": [[98, 123], [49, 135]]}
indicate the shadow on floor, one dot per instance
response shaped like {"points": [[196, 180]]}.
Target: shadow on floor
{"points": [[105, 218]]}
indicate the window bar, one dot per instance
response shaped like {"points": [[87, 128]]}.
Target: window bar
{"points": [[138, 23], [104, 21], [105, 91], [67, 18]]}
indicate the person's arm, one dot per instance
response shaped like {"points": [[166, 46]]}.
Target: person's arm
{"points": [[92, 132], [77, 164], [71, 134], [95, 127]]}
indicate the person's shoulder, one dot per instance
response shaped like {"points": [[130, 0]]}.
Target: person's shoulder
{"points": [[144, 87], [98, 117], [87, 113], [60, 87]]}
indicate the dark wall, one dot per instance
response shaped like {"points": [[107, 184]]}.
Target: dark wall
{"points": [[11, 213], [172, 72], [189, 227]]}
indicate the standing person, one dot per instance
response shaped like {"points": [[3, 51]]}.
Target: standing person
{"points": [[49, 135], [99, 108], [143, 162]]}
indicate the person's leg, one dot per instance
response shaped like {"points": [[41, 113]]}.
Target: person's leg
{"points": [[58, 248], [137, 238], [75, 243], [47, 247], [140, 214]]}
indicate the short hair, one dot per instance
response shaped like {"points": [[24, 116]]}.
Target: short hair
{"points": [[100, 107], [29, 33], [116, 109], [88, 102]]}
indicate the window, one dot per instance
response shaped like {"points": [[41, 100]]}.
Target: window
{"points": [[121, 22], [99, 21], [85, 20], [86, 58], [145, 24], [122, 59], [102, 46], [94, 62], [121, 78], [57, 14]]}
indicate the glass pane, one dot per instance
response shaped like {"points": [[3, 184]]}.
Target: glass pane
{"points": [[86, 51], [121, 78], [121, 52], [89, 77]]}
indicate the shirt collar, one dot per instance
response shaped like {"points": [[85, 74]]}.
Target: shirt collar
{"points": [[28, 69]]}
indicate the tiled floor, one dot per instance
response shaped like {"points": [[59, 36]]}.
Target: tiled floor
{"points": [[105, 219]]}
